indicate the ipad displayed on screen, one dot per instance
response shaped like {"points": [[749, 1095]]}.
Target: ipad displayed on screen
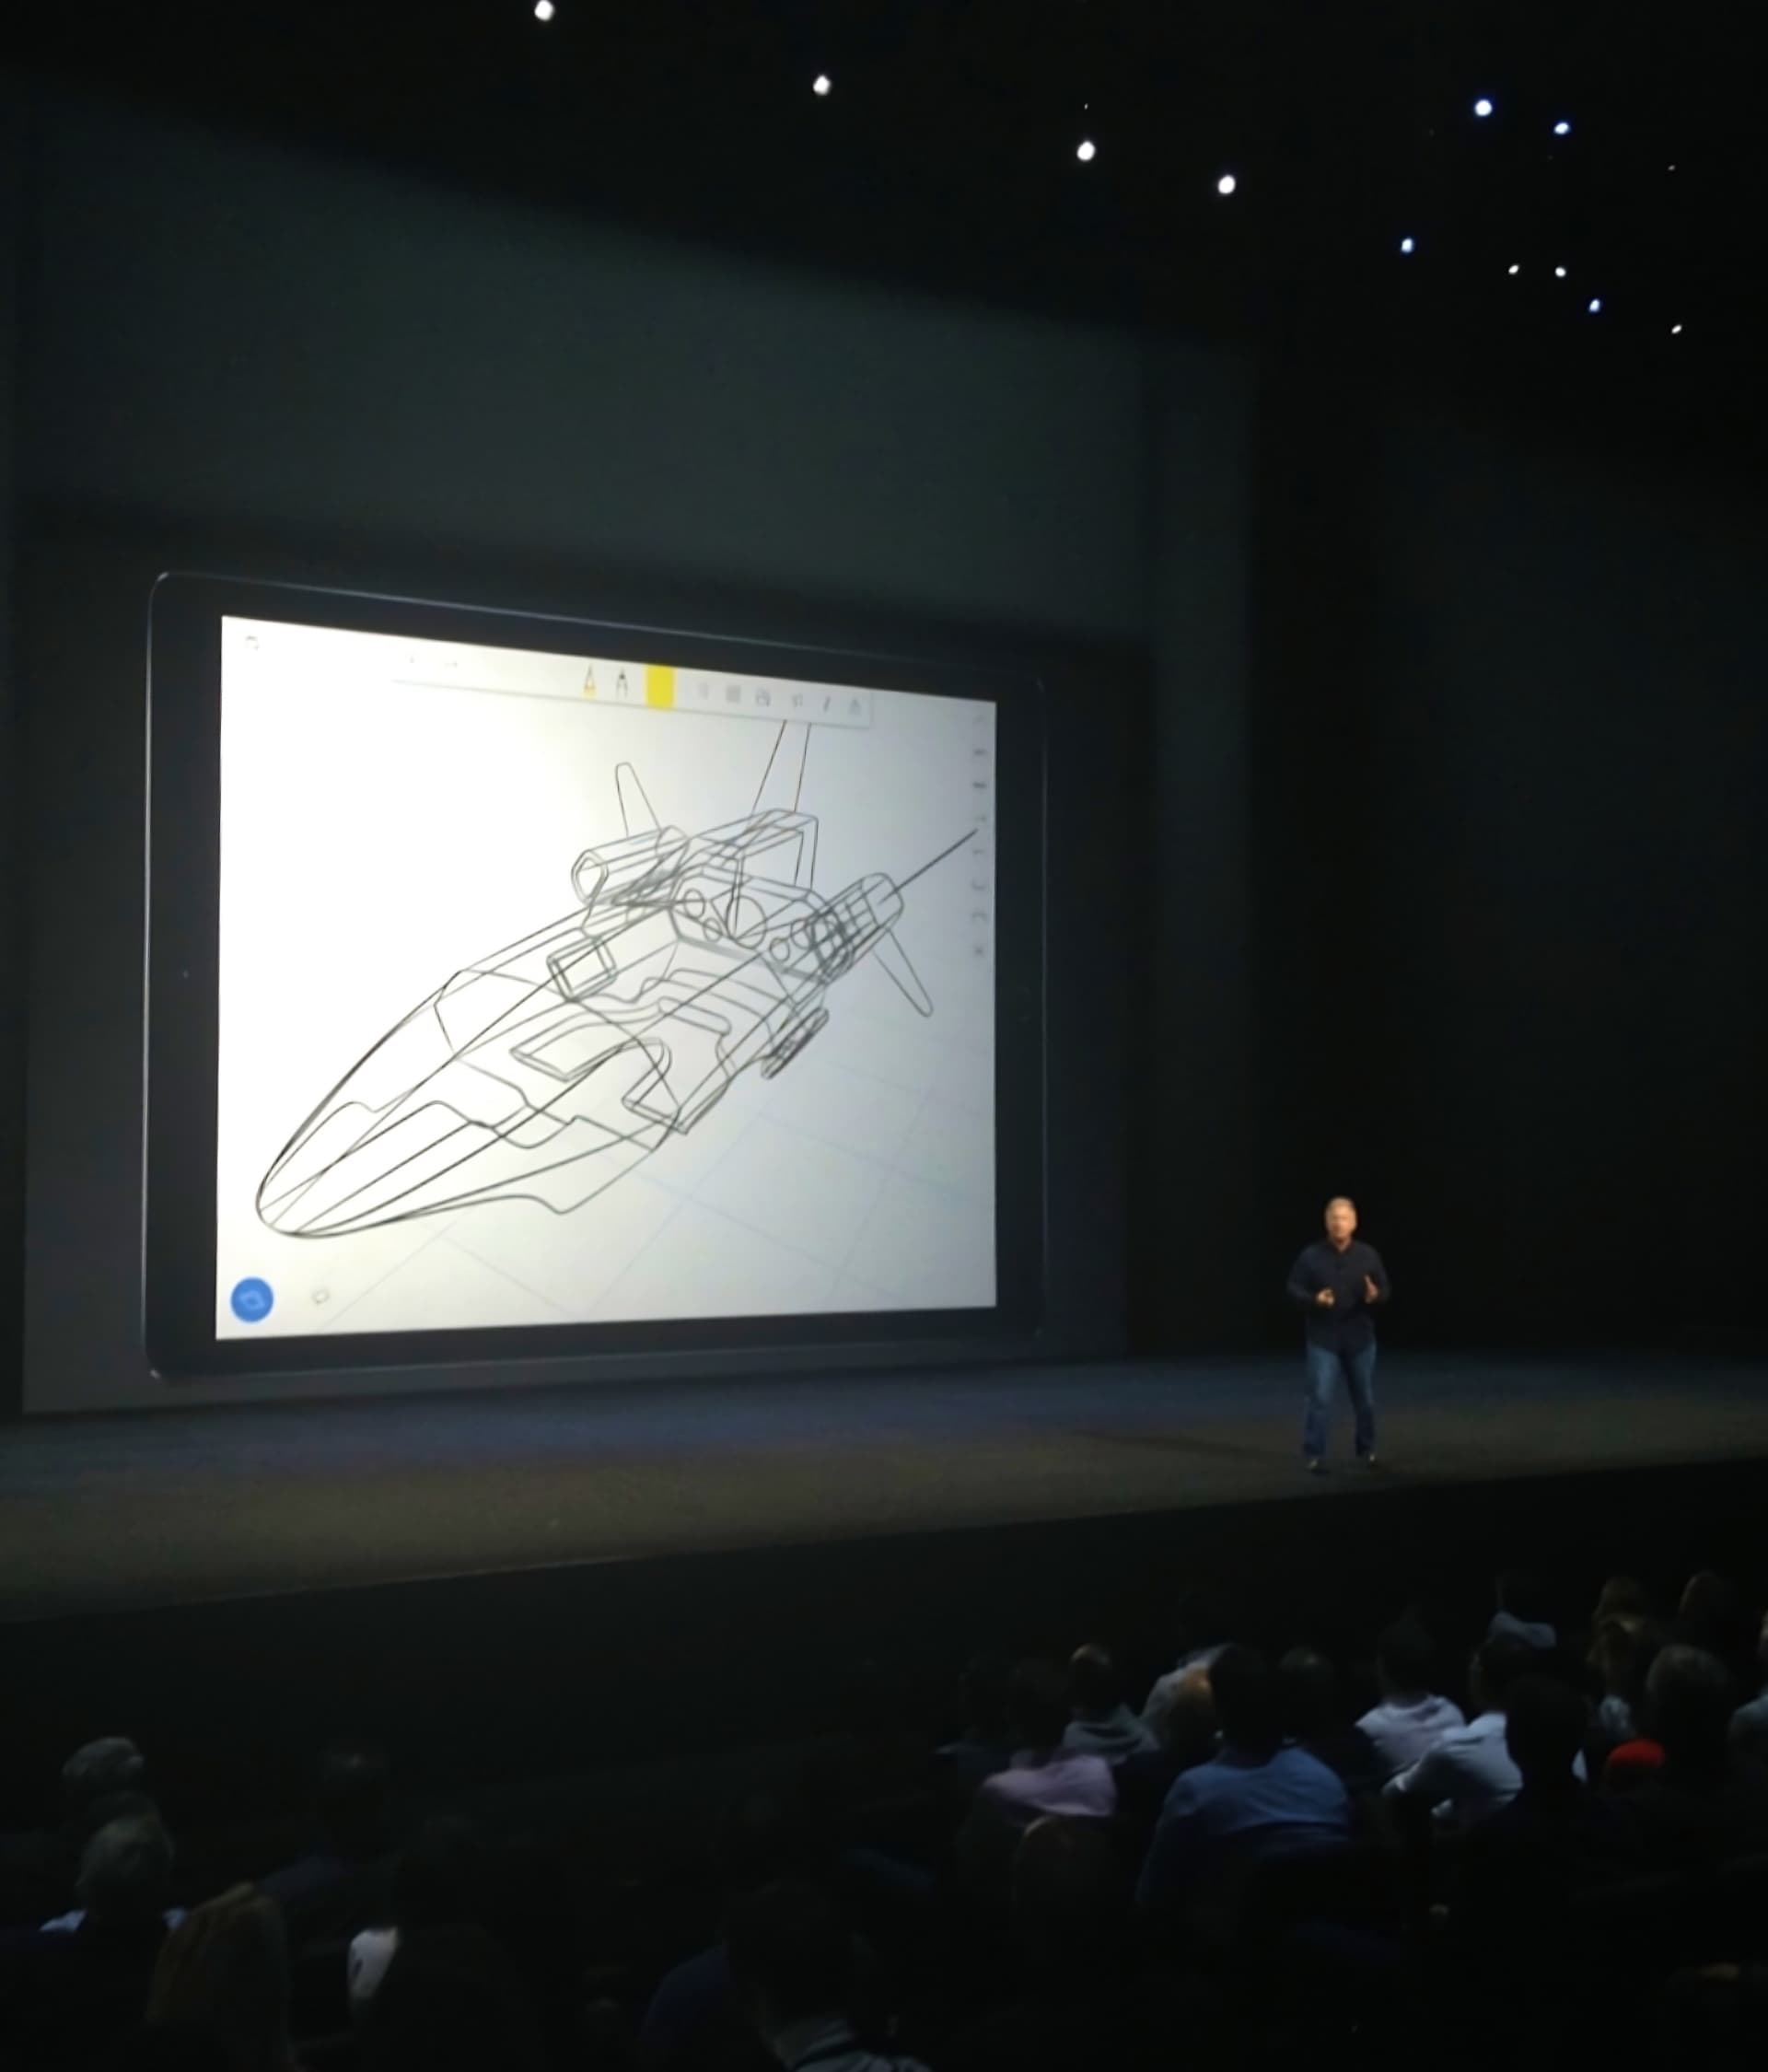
{"points": [[524, 985]]}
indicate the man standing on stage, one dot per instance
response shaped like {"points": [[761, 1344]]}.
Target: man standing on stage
{"points": [[1338, 1281]]}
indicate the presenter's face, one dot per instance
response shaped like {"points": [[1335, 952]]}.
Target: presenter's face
{"points": [[1340, 1223]]}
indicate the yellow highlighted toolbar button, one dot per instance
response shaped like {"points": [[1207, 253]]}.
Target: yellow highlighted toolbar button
{"points": [[660, 686]]}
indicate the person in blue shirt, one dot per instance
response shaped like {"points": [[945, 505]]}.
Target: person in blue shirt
{"points": [[1338, 1282], [1257, 1797]]}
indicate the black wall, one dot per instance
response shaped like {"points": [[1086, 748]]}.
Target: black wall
{"points": [[12, 852], [1510, 866]]}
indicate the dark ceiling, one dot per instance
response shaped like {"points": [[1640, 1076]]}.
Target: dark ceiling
{"points": [[945, 155]]}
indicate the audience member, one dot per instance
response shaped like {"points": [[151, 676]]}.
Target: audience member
{"points": [[450, 2001], [224, 1969], [342, 1882], [793, 1959], [1554, 1838], [1202, 1633], [1714, 1617], [441, 1880], [1622, 1599], [101, 1781], [1045, 1776], [1701, 1806], [1411, 1718], [694, 2020], [1102, 1724], [1469, 1772], [1256, 1798], [1314, 1718], [1070, 2000], [80, 1983], [1749, 1733], [1523, 1611]]}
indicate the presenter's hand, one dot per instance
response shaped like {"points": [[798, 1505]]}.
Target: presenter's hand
{"points": [[1325, 1299], [1370, 1292]]}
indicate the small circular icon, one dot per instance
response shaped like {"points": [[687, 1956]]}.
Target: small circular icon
{"points": [[251, 1301]]}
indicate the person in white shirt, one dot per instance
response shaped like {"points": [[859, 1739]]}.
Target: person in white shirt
{"points": [[793, 1960], [1411, 1718], [1470, 1772]]}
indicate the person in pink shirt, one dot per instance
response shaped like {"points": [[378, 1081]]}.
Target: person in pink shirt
{"points": [[1044, 1780]]}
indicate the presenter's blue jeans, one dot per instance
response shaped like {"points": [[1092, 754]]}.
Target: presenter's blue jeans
{"points": [[1324, 1365]]}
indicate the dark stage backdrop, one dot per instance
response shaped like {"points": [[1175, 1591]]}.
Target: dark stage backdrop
{"points": [[1510, 867], [12, 848], [226, 344]]}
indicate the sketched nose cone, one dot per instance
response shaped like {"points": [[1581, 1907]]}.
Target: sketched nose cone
{"points": [[349, 1170]]}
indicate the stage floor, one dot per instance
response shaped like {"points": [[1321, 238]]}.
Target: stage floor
{"points": [[178, 1508]]}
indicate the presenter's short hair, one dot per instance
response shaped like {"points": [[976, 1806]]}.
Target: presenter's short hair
{"points": [[1345, 1199]]}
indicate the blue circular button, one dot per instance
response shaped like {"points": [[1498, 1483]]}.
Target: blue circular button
{"points": [[251, 1301]]}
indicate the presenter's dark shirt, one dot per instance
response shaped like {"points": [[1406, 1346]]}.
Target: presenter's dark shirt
{"points": [[1349, 1325]]}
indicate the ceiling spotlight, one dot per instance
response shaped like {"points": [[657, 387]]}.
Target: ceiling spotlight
{"points": [[1559, 272], [1482, 106], [1561, 129], [1596, 305], [1085, 151], [1408, 246], [1515, 269], [545, 10], [1227, 183], [821, 83], [1675, 330]]}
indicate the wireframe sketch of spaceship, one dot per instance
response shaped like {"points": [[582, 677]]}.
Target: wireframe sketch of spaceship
{"points": [[550, 1069]]}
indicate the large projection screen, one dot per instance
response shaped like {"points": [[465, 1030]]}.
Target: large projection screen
{"points": [[523, 986]]}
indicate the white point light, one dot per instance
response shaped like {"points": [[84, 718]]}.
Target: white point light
{"points": [[1227, 183], [1515, 271], [1561, 128], [1675, 330], [822, 85], [1085, 151], [543, 10], [1596, 305], [1408, 246], [1559, 272], [1482, 106]]}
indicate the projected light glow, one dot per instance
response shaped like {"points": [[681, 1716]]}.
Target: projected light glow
{"points": [[572, 989]]}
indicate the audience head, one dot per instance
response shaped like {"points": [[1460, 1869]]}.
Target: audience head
{"points": [[126, 1873], [791, 1955], [101, 1769], [450, 2001], [350, 1802], [1403, 1660], [1622, 1598], [1544, 1726], [1095, 1688], [1308, 1689], [1036, 1706], [1689, 1703], [224, 1969], [1247, 1708], [1523, 1596], [1497, 1663], [1186, 1718], [1711, 1603], [1614, 1651]]}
